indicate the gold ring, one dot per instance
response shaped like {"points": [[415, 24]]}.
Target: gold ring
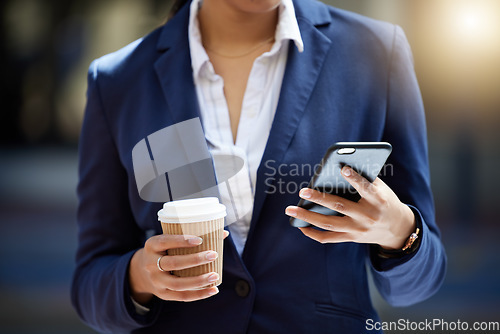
{"points": [[158, 264]]}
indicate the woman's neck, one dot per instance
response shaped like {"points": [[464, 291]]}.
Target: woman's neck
{"points": [[231, 29]]}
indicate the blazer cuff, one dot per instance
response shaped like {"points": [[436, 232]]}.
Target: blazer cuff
{"points": [[143, 315], [381, 263]]}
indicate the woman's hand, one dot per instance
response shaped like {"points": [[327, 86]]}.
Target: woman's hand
{"points": [[147, 280], [378, 218]]}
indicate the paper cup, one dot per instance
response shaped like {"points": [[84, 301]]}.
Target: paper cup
{"points": [[202, 217]]}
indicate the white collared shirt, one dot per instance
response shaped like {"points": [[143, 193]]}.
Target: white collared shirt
{"points": [[257, 113]]}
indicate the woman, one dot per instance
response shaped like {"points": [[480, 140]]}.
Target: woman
{"points": [[278, 82]]}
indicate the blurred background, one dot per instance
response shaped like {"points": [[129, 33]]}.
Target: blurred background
{"points": [[46, 48]]}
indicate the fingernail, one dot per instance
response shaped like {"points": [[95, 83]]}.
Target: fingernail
{"points": [[195, 241], [211, 255], [213, 278], [305, 193], [213, 291], [291, 211], [346, 171]]}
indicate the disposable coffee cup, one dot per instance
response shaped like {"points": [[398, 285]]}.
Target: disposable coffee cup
{"points": [[201, 217]]}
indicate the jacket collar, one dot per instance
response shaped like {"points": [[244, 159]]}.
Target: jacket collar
{"points": [[286, 29], [173, 68]]}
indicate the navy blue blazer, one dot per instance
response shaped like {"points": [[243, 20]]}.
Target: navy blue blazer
{"points": [[354, 82]]}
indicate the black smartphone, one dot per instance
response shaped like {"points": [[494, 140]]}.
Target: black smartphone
{"points": [[366, 158]]}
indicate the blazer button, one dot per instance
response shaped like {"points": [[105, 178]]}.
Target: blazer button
{"points": [[242, 288]]}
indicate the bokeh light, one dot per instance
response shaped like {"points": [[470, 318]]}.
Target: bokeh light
{"points": [[475, 23]]}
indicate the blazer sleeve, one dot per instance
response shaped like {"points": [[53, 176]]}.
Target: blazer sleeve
{"points": [[415, 277], [107, 233]]}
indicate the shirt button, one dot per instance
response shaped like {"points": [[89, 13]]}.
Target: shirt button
{"points": [[242, 288], [251, 113]]}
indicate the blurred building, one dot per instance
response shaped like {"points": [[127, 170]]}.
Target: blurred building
{"points": [[48, 46]]}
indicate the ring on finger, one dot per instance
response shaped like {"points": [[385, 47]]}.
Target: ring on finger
{"points": [[159, 265]]}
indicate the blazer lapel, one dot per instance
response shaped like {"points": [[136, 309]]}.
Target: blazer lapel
{"points": [[174, 70], [300, 78]]}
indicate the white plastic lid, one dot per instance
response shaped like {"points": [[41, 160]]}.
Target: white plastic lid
{"points": [[192, 210]]}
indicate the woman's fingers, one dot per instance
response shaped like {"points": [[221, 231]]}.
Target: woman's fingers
{"points": [[378, 218], [179, 262], [330, 201], [330, 223], [172, 287], [187, 296], [160, 243], [365, 188], [166, 285], [176, 283], [326, 236]]}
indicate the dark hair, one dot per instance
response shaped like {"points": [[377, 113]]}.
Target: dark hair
{"points": [[178, 4]]}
